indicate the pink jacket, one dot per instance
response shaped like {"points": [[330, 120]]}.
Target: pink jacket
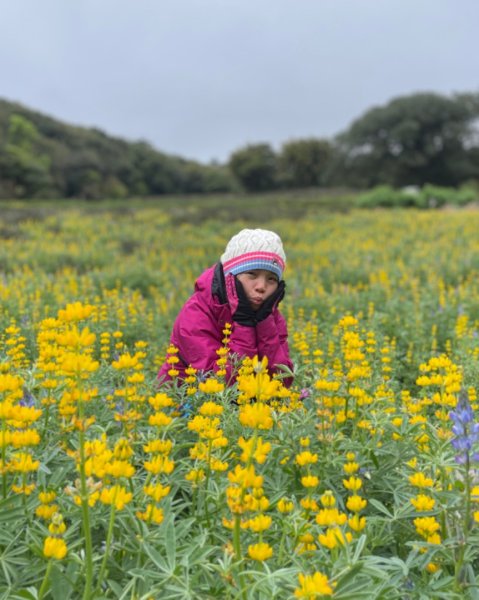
{"points": [[198, 332]]}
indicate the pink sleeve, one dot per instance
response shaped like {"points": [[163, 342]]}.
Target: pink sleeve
{"points": [[198, 335], [272, 334]]}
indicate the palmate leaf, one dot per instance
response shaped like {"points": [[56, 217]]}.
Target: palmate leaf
{"points": [[11, 510]]}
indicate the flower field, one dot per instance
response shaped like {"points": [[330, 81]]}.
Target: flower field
{"points": [[360, 481]]}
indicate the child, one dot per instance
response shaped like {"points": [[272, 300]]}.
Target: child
{"points": [[244, 288]]}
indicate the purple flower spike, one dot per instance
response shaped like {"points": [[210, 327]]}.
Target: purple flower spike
{"points": [[465, 430]]}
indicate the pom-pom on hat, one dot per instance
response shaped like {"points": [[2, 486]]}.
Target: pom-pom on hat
{"points": [[254, 249]]}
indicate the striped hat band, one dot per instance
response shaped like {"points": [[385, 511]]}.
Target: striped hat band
{"points": [[269, 261]]}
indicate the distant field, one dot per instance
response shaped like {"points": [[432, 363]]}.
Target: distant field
{"points": [[346, 486]]}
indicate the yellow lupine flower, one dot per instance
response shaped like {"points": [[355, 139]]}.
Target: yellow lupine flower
{"points": [[306, 458], [211, 386], [24, 463], [257, 416], [355, 503], [46, 497], [310, 481], [159, 419], [260, 552], [151, 514], [210, 409], [309, 504], [260, 523], [160, 401], [159, 464], [119, 468], [116, 495], [261, 449], [420, 480], [157, 491], [353, 484], [330, 516], [313, 586], [158, 446], [357, 523], [46, 511], [350, 468], [285, 506], [334, 537], [423, 503], [195, 475], [426, 526], [54, 548], [328, 500]]}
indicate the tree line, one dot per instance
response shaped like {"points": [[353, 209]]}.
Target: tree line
{"points": [[423, 138]]}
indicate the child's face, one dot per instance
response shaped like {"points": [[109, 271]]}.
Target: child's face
{"points": [[258, 285]]}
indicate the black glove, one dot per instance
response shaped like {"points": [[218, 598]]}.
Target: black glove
{"points": [[242, 311], [271, 303]]}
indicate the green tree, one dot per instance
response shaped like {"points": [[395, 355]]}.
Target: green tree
{"points": [[254, 166], [305, 163], [23, 165], [417, 139]]}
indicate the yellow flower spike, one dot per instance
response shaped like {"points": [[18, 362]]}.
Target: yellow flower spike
{"points": [[195, 475], [260, 552], [152, 514], [159, 419], [357, 523], [260, 523], [46, 511], [160, 401], [310, 481], [24, 463], [309, 504], [119, 468], [350, 468], [420, 480], [312, 586], [330, 516], [54, 548], [426, 526], [285, 506], [261, 449], [158, 446], [210, 409], [211, 386], [25, 489], [355, 503], [257, 416], [333, 537], [46, 497], [306, 458], [353, 484], [57, 525], [423, 503], [159, 464], [328, 500], [116, 495]]}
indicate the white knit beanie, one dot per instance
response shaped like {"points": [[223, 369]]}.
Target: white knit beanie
{"points": [[254, 249]]}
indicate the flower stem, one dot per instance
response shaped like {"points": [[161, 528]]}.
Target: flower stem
{"points": [[46, 580], [85, 512], [107, 548], [458, 573]]}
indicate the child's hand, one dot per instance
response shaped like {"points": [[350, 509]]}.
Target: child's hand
{"points": [[271, 303], [239, 304]]}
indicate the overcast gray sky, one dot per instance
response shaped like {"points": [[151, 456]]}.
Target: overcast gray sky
{"points": [[200, 78]]}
